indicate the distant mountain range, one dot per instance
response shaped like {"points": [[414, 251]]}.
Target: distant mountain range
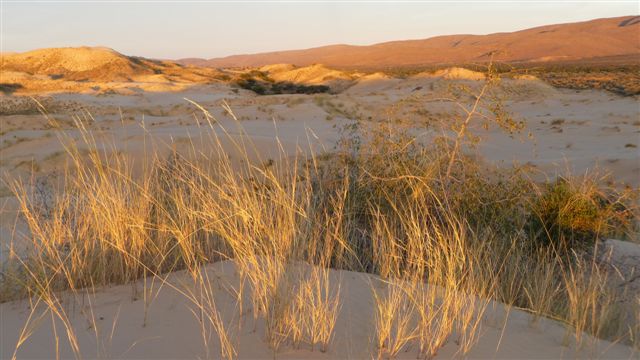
{"points": [[607, 40]]}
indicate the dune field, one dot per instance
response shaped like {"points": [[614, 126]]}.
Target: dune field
{"points": [[194, 209]]}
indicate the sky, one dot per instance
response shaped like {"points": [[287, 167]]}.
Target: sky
{"points": [[200, 28]]}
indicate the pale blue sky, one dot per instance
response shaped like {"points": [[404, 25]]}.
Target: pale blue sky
{"points": [[175, 29]]}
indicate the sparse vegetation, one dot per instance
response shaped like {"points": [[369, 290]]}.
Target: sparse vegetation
{"points": [[619, 79], [441, 233], [9, 88], [260, 83], [622, 80], [275, 88]]}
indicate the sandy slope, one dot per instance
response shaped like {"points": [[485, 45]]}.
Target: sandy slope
{"points": [[453, 73], [110, 323], [97, 70], [316, 74], [105, 71]]}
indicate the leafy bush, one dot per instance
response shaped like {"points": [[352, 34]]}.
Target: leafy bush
{"points": [[572, 214], [275, 88], [253, 85]]}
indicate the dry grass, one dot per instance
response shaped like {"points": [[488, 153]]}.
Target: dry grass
{"points": [[423, 220]]}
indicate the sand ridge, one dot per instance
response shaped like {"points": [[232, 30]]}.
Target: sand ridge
{"points": [[111, 323], [97, 70]]}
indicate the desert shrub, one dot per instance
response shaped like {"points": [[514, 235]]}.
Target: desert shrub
{"points": [[274, 88], [619, 79], [291, 88], [223, 77], [260, 83], [569, 213], [256, 74], [253, 85], [9, 88]]}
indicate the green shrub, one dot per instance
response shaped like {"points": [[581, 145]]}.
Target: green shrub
{"points": [[260, 83], [571, 214]]}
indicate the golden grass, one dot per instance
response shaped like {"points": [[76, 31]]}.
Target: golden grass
{"points": [[284, 226]]}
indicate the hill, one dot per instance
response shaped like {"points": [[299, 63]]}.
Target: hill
{"points": [[78, 64], [596, 39], [93, 69]]}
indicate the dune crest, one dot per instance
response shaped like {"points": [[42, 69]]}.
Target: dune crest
{"points": [[76, 63], [96, 69], [316, 74]]}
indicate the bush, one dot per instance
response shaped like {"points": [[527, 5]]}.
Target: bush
{"points": [[571, 214], [261, 84], [253, 85]]}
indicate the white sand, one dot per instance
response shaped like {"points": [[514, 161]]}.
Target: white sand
{"points": [[172, 331]]}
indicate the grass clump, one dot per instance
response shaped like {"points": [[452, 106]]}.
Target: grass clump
{"points": [[573, 214]]}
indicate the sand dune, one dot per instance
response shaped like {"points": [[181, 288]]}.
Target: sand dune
{"points": [[103, 70], [84, 63], [456, 73], [111, 324], [316, 74], [91, 69]]}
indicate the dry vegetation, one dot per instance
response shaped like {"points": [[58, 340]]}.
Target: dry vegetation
{"points": [[622, 79], [260, 83], [443, 234]]}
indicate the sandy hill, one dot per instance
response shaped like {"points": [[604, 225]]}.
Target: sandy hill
{"points": [[77, 64], [453, 73], [600, 38], [316, 74], [93, 68]]}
